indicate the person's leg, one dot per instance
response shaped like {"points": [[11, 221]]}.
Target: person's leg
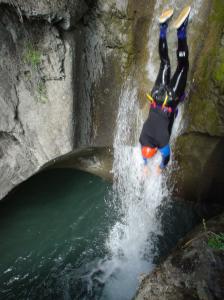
{"points": [[179, 79], [163, 77]]}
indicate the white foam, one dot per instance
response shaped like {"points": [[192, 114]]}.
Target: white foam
{"points": [[136, 197]]}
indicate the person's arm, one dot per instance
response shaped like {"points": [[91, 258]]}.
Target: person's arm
{"points": [[145, 168], [165, 152], [145, 160]]}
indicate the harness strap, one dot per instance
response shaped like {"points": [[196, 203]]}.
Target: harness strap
{"points": [[163, 107], [165, 101], [150, 98]]}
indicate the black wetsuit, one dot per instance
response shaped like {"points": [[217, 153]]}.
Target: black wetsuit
{"points": [[157, 128]]}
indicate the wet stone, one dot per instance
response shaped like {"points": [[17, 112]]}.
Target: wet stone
{"points": [[222, 41]]}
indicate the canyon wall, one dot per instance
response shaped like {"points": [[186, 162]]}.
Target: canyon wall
{"points": [[194, 269], [199, 150], [63, 64]]}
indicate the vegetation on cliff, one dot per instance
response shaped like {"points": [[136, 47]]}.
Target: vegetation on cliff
{"points": [[198, 149], [207, 98]]}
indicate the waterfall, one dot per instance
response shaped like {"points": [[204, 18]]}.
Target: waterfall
{"points": [[135, 200], [136, 197]]}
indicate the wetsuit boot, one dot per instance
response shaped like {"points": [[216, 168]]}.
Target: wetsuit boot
{"points": [[182, 20]]}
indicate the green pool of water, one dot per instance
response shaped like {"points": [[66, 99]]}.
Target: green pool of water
{"points": [[52, 229], [53, 232]]}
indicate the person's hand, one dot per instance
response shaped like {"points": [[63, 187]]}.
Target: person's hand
{"points": [[145, 171], [158, 170]]}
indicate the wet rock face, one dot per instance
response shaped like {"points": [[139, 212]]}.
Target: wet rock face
{"points": [[193, 271], [63, 64], [35, 99], [107, 52], [198, 149], [207, 99], [66, 13], [93, 160]]}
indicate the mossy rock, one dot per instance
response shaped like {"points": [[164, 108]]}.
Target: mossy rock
{"points": [[193, 271], [218, 75], [141, 12], [198, 150], [193, 151], [207, 99]]}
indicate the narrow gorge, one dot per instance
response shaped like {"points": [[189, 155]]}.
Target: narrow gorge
{"points": [[77, 221]]}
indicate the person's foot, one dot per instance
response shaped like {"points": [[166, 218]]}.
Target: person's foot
{"points": [[163, 22], [182, 19], [165, 16]]}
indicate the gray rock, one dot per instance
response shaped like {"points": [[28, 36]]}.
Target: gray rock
{"points": [[54, 82], [36, 121], [60, 90], [194, 270], [222, 40], [200, 149], [98, 161], [65, 13], [15, 162]]}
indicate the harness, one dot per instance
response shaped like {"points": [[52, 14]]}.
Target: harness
{"points": [[162, 107]]}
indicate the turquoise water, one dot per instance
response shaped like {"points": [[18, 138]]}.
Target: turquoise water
{"points": [[53, 233], [53, 230]]}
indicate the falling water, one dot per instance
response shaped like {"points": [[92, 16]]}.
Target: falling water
{"points": [[136, 197], [135, 201]]}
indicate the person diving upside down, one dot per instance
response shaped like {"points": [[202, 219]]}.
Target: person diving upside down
{"points": [[167, 92]]}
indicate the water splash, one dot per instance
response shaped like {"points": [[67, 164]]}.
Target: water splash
{"points": [[135, 200]]}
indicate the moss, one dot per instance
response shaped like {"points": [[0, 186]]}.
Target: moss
{"points": [[216, 241], [120, 28], [219, 73], [32, 55], [209, 55], [204, 110], [41, 96], [141, 13], [205, 116], [134, 27], [196, 155], [219, 70]]}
